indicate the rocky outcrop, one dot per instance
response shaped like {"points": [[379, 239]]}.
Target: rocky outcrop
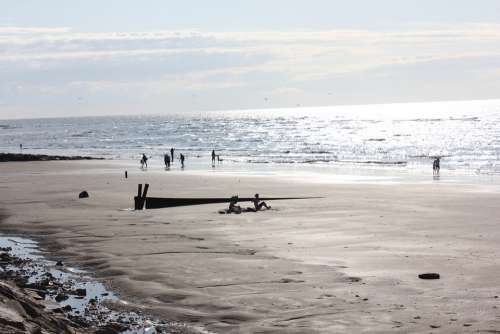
{"points": [[21, 313]]}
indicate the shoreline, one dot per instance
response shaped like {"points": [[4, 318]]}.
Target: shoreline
{"points": [[314, 261], [337, 172]]}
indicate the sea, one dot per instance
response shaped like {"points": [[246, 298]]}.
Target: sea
{"points": [[407, 136]]}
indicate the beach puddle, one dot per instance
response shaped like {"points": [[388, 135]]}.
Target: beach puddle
{"points": [[72, 291]]}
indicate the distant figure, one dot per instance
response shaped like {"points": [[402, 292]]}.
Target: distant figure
{"points": [[21, 147], [436, 167], [232, 205], [258, 206], [213, 158], [166, 159], [172, 154], [144, 161], [182, 160]]}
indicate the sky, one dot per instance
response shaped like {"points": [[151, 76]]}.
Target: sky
{"points": [[97, 57]]}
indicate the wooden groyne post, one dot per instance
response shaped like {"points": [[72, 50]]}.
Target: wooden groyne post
{"points": [[140, 199]]}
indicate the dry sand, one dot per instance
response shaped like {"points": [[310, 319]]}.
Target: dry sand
{"points": [[347, 263]]}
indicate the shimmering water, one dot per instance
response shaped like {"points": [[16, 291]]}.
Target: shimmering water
{"points": [[466, 134]]}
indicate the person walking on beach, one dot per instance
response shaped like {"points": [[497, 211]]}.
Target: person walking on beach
{"points": [[172, 154], [144, 161], [213, 158], [166, 159], [182, 160]]}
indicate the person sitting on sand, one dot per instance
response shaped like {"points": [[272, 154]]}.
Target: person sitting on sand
{"points": [[258, 206], [232, 205]]}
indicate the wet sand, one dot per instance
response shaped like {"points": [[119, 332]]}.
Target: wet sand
{"points": [[348, 262]]}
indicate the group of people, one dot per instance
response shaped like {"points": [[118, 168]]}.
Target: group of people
{"points": [[257, 203], [168, 159]]}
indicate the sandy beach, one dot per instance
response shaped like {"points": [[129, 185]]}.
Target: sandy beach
{"points": [[345, 263]]}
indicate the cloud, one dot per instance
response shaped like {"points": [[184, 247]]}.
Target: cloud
{"points": [[155, 65]]}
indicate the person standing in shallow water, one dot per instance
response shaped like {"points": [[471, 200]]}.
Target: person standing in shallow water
{"points": [[182, 160], [172, 154], [436, 167], [166, 159], [144, 161], [213, 158]]}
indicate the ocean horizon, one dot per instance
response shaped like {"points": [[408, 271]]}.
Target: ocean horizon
{"points": [[406, 135]]}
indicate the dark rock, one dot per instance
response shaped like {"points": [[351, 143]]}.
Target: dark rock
{"points": [[61, 297], [6, 322], [58, 310], [4, 157], [113, 328], [83, 194], [66, 308], [81, 292], [429, 276], [59, 264]]}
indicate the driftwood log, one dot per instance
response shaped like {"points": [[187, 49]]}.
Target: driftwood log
{"points": [[141, 200]]}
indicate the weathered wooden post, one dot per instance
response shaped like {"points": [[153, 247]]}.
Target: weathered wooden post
{"points": [[137, 199], [143, 197], [140, 199]]}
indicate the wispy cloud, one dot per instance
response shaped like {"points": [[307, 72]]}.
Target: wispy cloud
{"points": [[266, 63]]}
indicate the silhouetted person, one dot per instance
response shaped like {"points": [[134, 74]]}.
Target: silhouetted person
{"points": [[258, 206], [21, 147], [144, 161], [182, 160], [172, 154], [436, 167], [232, 205], [166, 159]]}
